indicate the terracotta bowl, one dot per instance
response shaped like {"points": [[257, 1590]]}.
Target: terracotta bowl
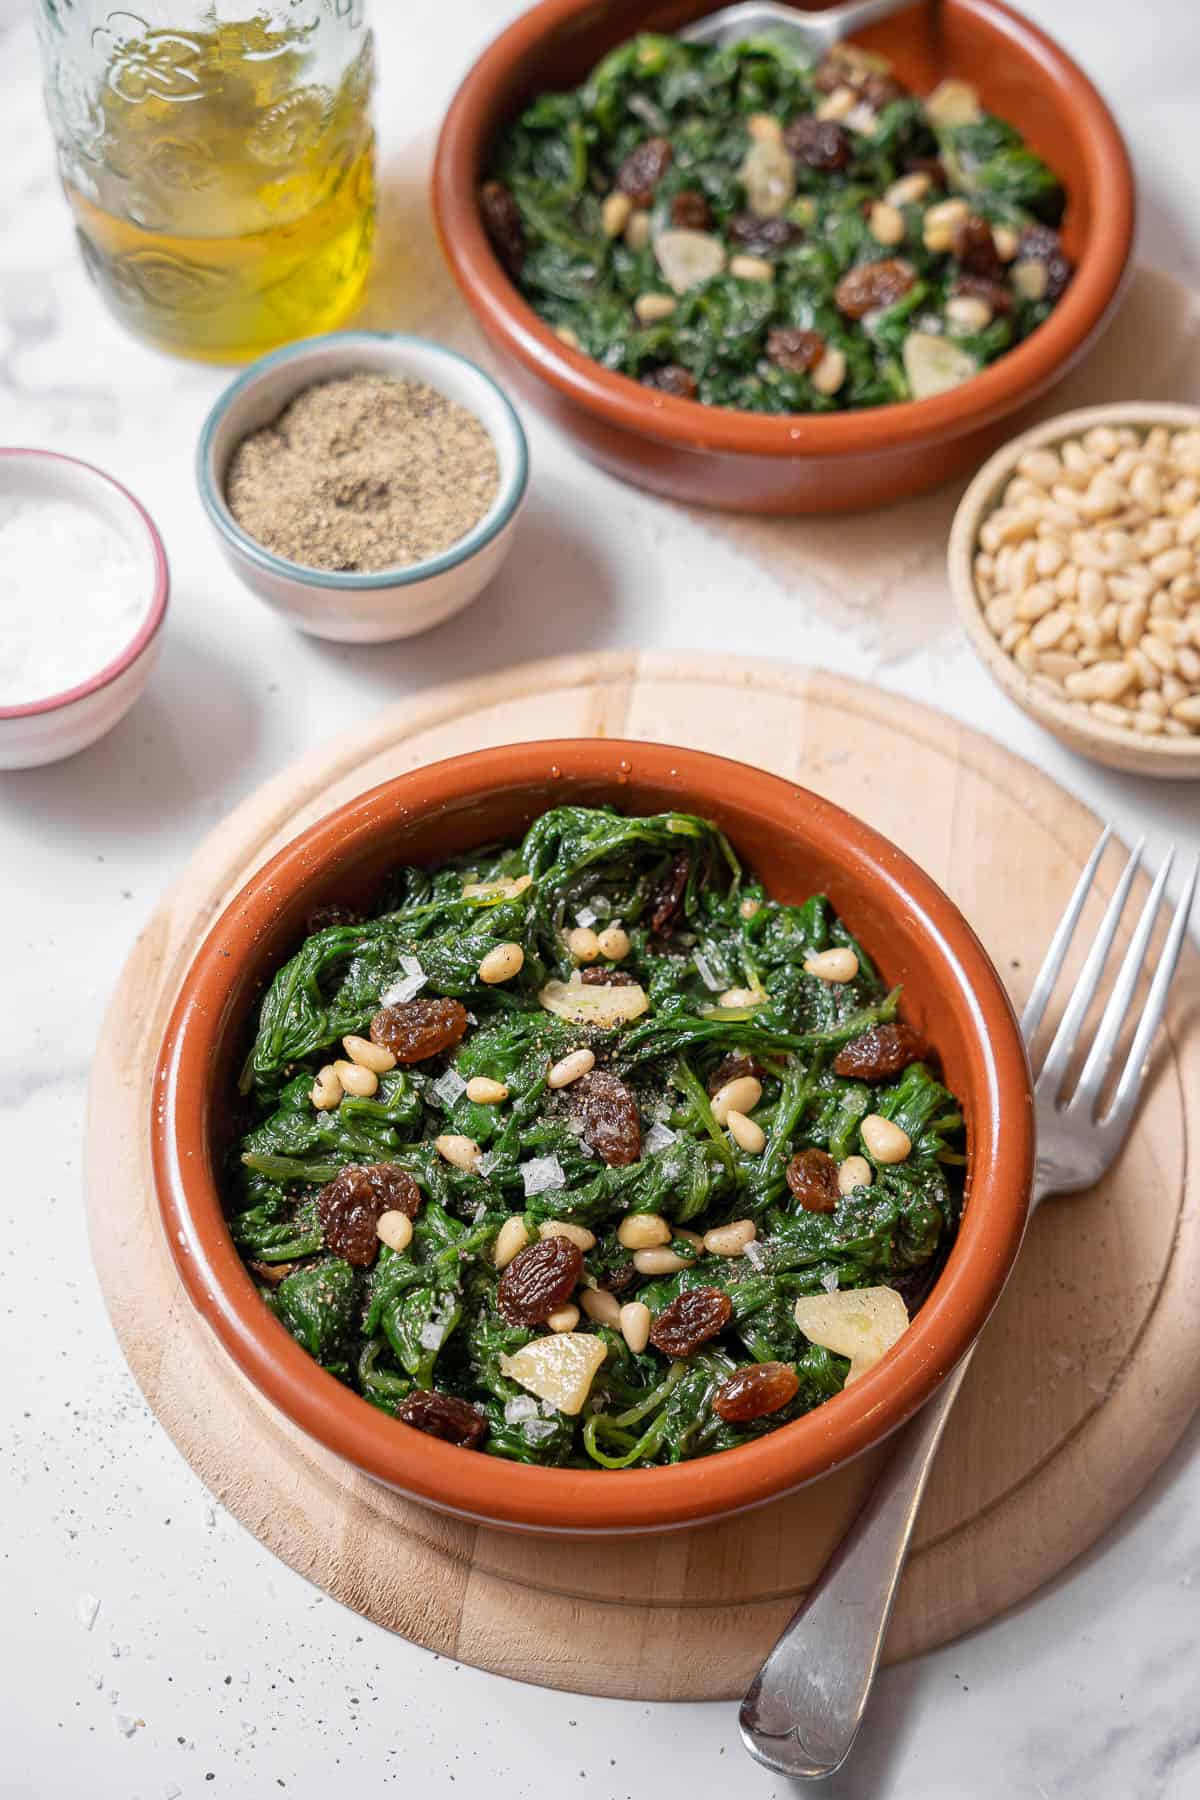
{"points": [[799, 843], [795, 463]]}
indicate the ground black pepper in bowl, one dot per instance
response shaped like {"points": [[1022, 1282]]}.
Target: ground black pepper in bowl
{"points": [[364, 472]]}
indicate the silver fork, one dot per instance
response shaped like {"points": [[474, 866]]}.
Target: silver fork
{"points": [[811, 32], [805, 1705]]}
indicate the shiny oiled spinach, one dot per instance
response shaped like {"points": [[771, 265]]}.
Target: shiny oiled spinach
{"points": [[721, 968], [732, 225]]}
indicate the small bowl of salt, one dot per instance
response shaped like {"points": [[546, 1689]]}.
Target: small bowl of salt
{"points": [[83, 595]]}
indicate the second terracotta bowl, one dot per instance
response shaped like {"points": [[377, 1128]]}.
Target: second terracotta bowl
{"points": [[795, 463], [800, 844]]}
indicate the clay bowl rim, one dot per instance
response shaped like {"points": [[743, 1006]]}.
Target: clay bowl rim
{"points": [[1172, 759], [1018, 377], [565, 1502]]}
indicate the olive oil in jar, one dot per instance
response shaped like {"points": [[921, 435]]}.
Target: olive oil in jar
{"points": [[234, 206]]}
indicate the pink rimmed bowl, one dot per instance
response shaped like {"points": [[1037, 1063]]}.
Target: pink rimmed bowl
{"points": [[58, 725]]}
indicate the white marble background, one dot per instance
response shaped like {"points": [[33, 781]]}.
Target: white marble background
{"points": [[242, 1680]]}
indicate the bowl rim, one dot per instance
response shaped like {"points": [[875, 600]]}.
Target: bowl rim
{"points": [[156, 610], [587, 1502], [1016, 377], [1151, 754], [498, 516]]}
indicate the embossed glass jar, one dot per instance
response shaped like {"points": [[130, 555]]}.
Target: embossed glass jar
{"points": [[218, 157]]}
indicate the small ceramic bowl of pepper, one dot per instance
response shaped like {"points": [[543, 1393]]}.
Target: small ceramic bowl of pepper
{"points": [[367, 605]]}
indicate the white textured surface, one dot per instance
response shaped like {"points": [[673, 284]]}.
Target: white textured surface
{"points": [[208, 1668]]}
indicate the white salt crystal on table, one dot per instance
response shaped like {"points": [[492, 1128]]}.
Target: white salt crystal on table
{"points": [[542, 1173], [86, 1608], [73, 594]]}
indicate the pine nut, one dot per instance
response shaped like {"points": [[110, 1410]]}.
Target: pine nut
{"points": [[614, 943], [941, 222], [637, 232], [1030, 278], [660, 1262], [730, 1240], [837, 105], [583, 944], [764, 129], [482, 1091], [511, 1239], [564, 1318], [742, 1094], [886, 1142], [367, 1055], [1007, 242], [885, 222], [578, 1234], [967, 313], [856, 1171], [566, 336], [830, 372], [463, 1152], [635, 1325], [738, 997], [501, 964], [908, 189], [601, 1307], [751, 268], [362, 1083], [615, 214], [395, 1230], [326, 1090], [652, 309], [570, 1068], [832, 965], [643, 1231], [745, 1133]]}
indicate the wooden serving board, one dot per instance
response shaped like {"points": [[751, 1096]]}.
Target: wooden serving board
{"points": [[1087, 1373]]}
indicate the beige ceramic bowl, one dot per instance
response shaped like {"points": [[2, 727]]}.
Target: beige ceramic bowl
{"points": [[1174, 758]]}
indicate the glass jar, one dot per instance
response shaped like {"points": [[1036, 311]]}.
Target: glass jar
{"points": [[218, 157]]}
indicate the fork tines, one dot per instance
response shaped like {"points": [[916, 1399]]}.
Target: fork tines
{"points": [[1085, 1098]]}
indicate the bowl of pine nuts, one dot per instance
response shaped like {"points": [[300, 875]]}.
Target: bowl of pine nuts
{"points": [[1075, 564]]}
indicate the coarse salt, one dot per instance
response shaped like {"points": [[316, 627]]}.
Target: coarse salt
{"points": [[522, 1406], [448, 1088], [586, 916], [659, 1137], [73, 593], [829, 1281], [538, 1430], [712, 981], [412, 981], [542, 1173]]}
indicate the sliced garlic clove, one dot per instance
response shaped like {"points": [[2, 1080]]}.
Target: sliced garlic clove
{"points": [[559, 1369], [861, 1323], [603, 1006], [768, 175], [934, 364], [688, 258]]}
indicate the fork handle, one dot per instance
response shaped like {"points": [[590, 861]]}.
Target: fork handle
{"points": [[805, 1705]]}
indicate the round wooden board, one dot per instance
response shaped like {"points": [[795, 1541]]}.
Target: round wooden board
{"points": [[1085, 1378]]}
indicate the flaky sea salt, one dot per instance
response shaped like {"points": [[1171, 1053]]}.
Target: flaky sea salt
{"points": [[587, 915], [410, 983], [540, 1174], [432, 1334], [711, 980], [449, 1088], [659, 1137], [538, 1430], [829, 1281], [521, 1406], [755, 1255], [73, 593]]}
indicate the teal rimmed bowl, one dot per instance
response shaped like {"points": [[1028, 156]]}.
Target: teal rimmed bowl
{"points": [[375, 607]]}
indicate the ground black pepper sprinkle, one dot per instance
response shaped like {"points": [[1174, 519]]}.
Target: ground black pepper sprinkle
{"points": [[364, 472]]}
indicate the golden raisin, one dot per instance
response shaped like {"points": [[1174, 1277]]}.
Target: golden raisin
{"points": [[881, 1051], [539, 1280], [418, 1029], [812, 1177], [443, 1416], [690, 1320], [753, 1392]]}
